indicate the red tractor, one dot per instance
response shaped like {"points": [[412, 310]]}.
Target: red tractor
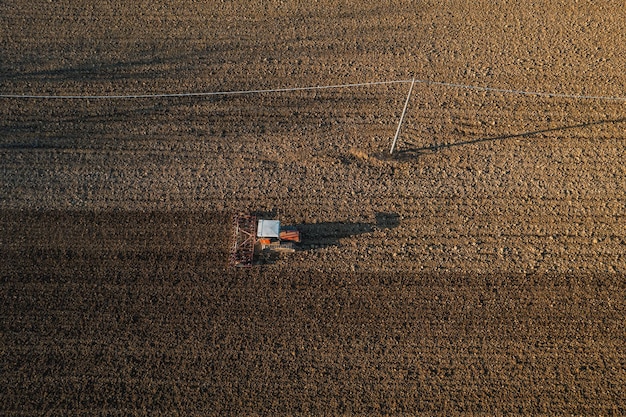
{"points": [[258, 238]]}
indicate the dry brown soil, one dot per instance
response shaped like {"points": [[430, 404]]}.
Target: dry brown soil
{"points": [[480, 270]]}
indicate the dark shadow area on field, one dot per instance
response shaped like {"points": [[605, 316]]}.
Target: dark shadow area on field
{"points": [[169, 65], [90, 71], [171, 59], [114, 124], [136, 244], [283, 37], [149, 61], [148, 65], [415, 152], [77, 127]]}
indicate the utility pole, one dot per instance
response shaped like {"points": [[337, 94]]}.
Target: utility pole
{"points": [[406, 104]]}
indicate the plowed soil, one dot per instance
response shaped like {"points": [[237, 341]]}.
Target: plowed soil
{"points": [[478, 270]]}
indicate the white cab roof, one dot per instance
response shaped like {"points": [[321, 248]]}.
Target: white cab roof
{"points": [[268, 228]]}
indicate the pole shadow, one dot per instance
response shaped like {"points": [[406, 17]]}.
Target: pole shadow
{"points": [[415, 152]]}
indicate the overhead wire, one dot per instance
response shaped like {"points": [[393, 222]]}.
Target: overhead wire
{"points": [[201, 94]]}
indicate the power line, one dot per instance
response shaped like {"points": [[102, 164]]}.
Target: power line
{"points": [[202, 94], [523, 92], [308, 88]]}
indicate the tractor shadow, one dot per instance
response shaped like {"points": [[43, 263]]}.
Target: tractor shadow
{"points": [[322, 235]]}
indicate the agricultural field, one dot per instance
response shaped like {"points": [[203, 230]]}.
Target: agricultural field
{"points": [[480, 269]]}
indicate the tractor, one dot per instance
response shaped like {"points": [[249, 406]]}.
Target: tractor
{"points": [[258, 240]]}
